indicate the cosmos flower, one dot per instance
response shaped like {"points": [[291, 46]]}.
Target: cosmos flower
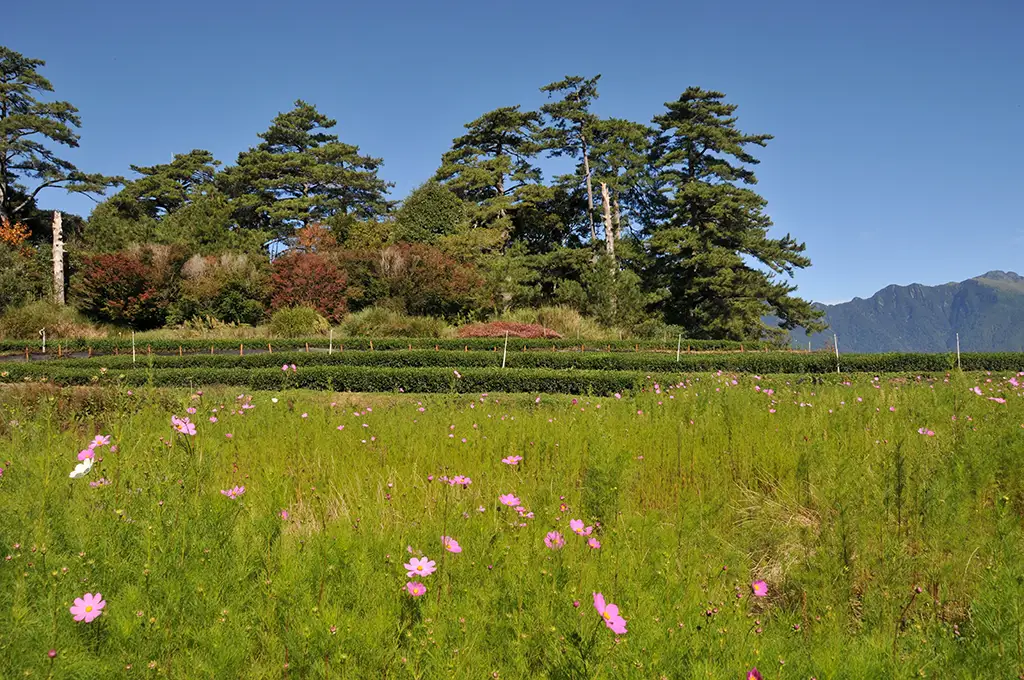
{"points": [[82, 469], [99, 440], [754, 674], [420, 566], [760, 588], [610, 613], [450, 544], [577, 528], [554, 540], [88, 607], [233, 493], [415, 588], [925, 431], [594, 543], [509, 500], [183, 425], [512, 460], [86, 453]]}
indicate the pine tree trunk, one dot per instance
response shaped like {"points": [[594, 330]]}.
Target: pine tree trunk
{"points": [[58, 259], [590, 189], [609, 228]]}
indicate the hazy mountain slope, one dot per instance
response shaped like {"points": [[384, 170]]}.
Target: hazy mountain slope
{"points": [[987, 311]]}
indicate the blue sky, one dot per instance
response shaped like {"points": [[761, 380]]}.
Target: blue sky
{"points": [[898, 140]]}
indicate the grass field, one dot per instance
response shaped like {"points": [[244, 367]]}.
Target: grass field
{"points": [[883, 516]]}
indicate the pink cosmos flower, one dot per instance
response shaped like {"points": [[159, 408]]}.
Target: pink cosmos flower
{"points": [[610, 614], [509, 499], [976, 390], [594, 543], [86, 453], [88, 607], [512, 460], [415, 588], [284, 514], [554, 540], [760, 588], [577, 527], [284, 367], [233, 493], [618, 395], [228, 435], [1, 472], [754, 674], [99, 440], [183, 425], [450, 544], [213, 419], [925, 431], [420, 566]]}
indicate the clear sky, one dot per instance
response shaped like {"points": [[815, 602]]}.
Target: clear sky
{"points": [[898, 124]]}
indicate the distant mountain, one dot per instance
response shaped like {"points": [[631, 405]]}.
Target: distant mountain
{"points": [[987, 311]]}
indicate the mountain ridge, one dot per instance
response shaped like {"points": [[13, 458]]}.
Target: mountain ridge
{"points": [[987, 312]]}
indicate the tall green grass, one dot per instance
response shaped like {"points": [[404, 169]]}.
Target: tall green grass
{"points": [[834, 499]]}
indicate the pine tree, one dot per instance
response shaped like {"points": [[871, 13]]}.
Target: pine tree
{"points": [[571, 129], [301, 174], [27, 124], [168, 187], [489, 165], [716, 228]]}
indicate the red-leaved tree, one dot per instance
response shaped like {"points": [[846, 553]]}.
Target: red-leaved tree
{"points": [[308, 279], [132, 288]]}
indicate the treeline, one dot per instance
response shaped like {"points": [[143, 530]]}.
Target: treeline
{"points": [[655, 224]]}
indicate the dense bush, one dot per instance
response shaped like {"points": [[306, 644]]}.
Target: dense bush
{"points": [[132, 287], [420, 279], [309, 279], [297, 322], [229, 288], [25, 275]]}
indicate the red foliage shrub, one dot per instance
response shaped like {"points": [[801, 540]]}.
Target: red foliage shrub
{"points": [[132, 288], [497, 329], [423, 280], [311, 280]]}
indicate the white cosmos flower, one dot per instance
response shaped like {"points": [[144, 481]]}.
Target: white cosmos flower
{"points": [[273, 399], [82, 469]]}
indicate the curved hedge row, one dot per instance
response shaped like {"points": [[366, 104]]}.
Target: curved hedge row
{"points": [[746, 362], [124, 346]]}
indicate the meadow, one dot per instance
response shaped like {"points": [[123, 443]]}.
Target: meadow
{"points": [[866, 528]]}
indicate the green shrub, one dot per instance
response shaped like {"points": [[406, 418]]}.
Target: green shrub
{"points": [[295, 322], [59, 321], [378, 322]]}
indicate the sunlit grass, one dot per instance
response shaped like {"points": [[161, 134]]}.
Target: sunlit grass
{"points": [[834, 499]]}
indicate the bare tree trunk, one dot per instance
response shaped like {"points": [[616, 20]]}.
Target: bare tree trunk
{"points": [[590, 188], [58, 259], [618, 218], [609, 228]]}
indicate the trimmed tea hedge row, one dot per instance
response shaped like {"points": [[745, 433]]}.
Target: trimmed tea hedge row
{"points": [[355, 379], [746, 362], [124, 346]]}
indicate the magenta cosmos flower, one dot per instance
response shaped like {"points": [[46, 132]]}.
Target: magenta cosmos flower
{"points": [[512, 460], [554, 540], [760, 588], [754, 674], [183, 425], [86, 453], [234, 492], [450, 544], [420, 566], [416, 589], [610, 613], [577, 527], [88, 607], [509, 500], [594, 543]]}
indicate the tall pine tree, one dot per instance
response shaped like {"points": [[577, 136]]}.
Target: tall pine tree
{"points": [[301, 174], [490, 165], [716, 228], [28, 128], [571, 129]]}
